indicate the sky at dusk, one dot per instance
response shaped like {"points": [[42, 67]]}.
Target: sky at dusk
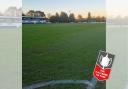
{"points": [[4, 4], [96, 7]]}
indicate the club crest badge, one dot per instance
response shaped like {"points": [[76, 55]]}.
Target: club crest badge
{"points": [[103, 65]]}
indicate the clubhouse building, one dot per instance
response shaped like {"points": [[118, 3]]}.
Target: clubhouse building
{"points": [[34, 20]]}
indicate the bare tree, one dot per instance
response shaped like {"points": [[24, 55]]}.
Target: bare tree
{"points": [[80, 18]]}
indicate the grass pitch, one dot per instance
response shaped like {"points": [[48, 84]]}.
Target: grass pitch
{"points": [[61, 51]]}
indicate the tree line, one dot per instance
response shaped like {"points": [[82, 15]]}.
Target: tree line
{"points": [[63, 17], [12, 11]]}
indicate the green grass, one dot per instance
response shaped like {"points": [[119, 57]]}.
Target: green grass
{"points": [[60, 51]]}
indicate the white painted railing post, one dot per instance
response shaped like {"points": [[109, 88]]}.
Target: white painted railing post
{"points": [[92, 84]]}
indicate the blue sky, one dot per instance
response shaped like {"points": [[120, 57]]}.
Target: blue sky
{"points": [[97, 7]]}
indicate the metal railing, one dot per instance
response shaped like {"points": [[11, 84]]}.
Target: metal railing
{"points": [[88, 84]]}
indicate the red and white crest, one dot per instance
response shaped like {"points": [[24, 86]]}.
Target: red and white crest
{"points": [[103, 65]]}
